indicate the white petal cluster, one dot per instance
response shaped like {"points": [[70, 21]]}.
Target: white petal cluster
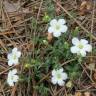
{"points": [[57, 27], [58, 77], [12, 77], [80, 46], [13, 57]]}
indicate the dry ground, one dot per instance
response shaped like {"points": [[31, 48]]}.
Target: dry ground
{"points": [[23, 23]]}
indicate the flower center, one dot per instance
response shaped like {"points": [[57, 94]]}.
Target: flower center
{"points": [[57, 27], [58, 76], [80, 46], [14, 56], [12, 77]]}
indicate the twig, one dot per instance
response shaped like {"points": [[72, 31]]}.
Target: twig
{"points": [[92, 24], [7, 70]]}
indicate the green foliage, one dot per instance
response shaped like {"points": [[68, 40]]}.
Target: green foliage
{"points": [[50, 8], [48, 56], [46, 18], [94, 50], [75, 33], [42, 90], [74, 70], [33, 23]]}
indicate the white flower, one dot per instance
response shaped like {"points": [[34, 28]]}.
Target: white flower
{"points": [[57, 27], [58, 77], [13, 57], [12, 77], [80, 46]]}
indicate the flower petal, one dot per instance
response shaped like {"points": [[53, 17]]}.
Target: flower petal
{"points": [[53, 80], [64, 28], [53, 72], [15, 79], [61, 82], [14, 50], [56, 34], [83, 41], [74, 49], [75, 41], [10, 83], [64, 76], [88, 48], [61, 70], [14, 71], [53, 22], [83, 53], [18, 54], [15, 61], [9, 56], [50, 29], [61, 21], [10, 62]]}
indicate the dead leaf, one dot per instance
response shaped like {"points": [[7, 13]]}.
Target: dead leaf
{"points": [[83, 4], [87, 94], [11, 7], [78, 94], [49, 37], [69, 84], [91, 66], [85, 7]]}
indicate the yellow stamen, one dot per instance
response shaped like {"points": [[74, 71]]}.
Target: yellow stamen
{"points": [[57, 27], [14, 57], [58, 76], [80, 46]]}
